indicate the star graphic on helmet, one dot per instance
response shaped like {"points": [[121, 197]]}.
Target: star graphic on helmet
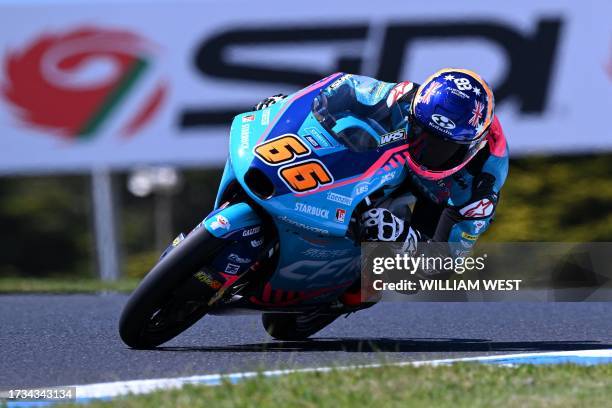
{"points": [[479, 129], [476, 91], [449, 77]]}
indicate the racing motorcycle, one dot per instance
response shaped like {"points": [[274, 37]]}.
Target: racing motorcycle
{"points": [[283, 236]]}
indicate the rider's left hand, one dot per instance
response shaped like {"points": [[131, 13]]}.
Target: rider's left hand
{"points": [[271, 100], [380, 224]]}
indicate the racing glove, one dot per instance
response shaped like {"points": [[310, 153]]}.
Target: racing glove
{"points": [[380, 224], [271, 100]]}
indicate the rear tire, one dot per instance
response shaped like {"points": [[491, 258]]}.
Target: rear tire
{"points": [[137, 326], [295, 326]]}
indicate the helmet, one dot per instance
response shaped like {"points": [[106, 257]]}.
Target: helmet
{"points": [[449, 119]]}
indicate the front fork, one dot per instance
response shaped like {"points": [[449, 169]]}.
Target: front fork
{"points": [[236, 262]]}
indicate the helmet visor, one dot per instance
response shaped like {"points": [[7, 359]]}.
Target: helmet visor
{"points": [[434, 152]]}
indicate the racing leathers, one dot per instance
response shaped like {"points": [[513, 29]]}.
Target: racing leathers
{"points": [[456, 209]]}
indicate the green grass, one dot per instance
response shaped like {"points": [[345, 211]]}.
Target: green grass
{"points": [[460, 385], [68, 284], [135, 267]]}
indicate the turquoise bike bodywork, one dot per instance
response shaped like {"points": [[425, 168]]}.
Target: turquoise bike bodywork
{"points": [[318, 256]]}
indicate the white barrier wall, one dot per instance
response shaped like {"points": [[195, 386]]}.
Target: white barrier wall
{"points": [[116, 84]]}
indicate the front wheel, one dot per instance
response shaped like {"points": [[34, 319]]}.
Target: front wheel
{"points": [[169, 300]]}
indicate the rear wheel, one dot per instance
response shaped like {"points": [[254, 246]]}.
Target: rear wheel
{"points": [[296, 326], [169, 299]]}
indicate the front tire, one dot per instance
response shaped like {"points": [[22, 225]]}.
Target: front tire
{"points": [[154, 313]]}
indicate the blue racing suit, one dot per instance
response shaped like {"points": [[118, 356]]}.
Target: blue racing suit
{"points": [[456, 209]]}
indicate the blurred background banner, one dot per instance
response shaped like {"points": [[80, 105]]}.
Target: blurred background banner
{"points": [[115, 114], [111, 84]]}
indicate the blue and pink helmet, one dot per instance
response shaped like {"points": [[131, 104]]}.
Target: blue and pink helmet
{"points": [[449, 119]]}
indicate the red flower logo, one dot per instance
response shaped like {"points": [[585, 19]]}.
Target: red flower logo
{"points": [[70, 83]]}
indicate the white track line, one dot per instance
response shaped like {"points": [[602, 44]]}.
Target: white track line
{"points": [[144, 386], [110, 390]]}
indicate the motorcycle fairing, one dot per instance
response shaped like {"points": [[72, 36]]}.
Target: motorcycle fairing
{"points": [[317, 259], [355, 174]]}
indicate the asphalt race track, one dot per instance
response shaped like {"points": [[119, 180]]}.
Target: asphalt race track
{"points": [[48, 340]]}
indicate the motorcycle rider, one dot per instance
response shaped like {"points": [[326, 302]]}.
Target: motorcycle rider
{"points": [[457, 156]]}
